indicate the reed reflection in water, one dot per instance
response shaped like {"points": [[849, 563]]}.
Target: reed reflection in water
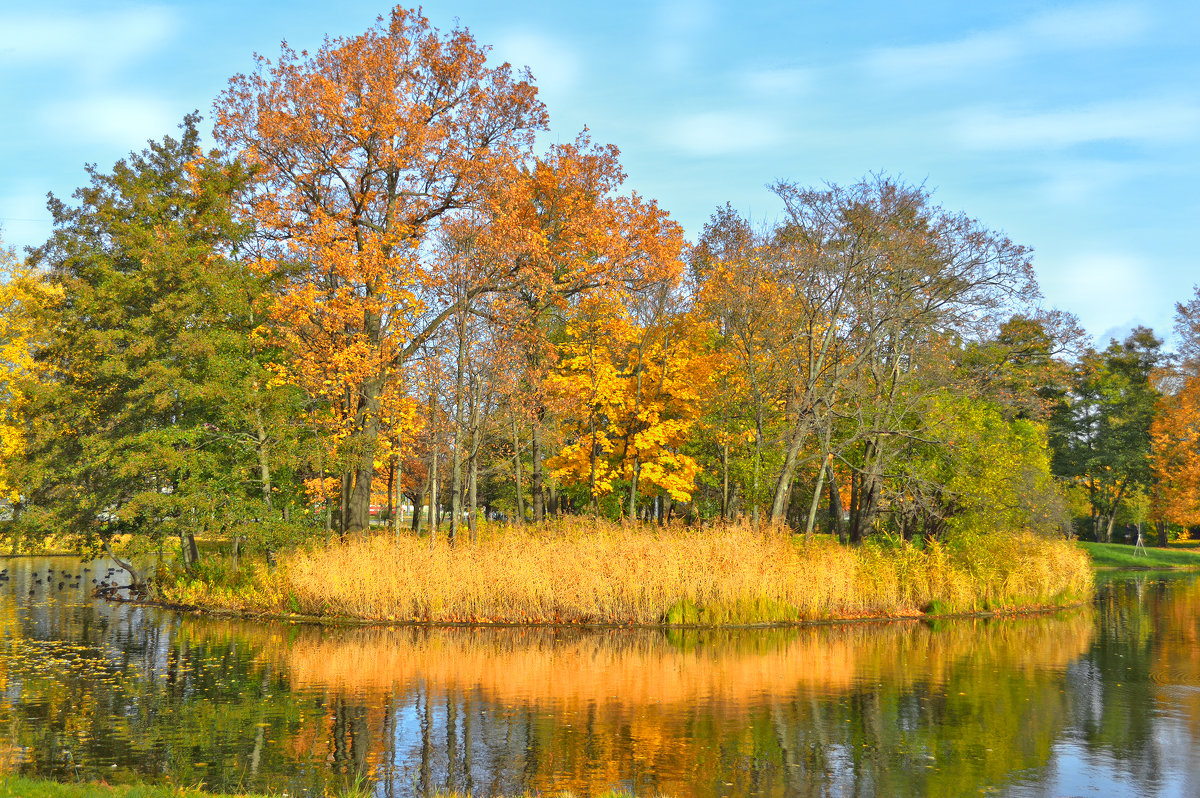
{"points": [[1012, 705]]}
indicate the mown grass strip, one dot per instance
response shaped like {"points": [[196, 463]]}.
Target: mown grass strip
{"points": [[19, 787], [1122, 555]]}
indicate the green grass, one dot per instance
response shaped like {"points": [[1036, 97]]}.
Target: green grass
{"points": [[1121, 555], [19, 787]]}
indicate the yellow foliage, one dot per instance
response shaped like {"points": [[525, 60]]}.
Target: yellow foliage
{"points": [[25, 298], [633, 392]]}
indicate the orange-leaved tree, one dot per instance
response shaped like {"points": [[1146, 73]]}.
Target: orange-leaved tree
{"points": [[361, 152], [566, 232], [1175, 430], [1175, 459]]}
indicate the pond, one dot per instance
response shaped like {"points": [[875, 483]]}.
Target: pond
{"points": [[1099, 700]]}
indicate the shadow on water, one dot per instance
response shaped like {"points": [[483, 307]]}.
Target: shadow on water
{"points": [[1071, 701]]}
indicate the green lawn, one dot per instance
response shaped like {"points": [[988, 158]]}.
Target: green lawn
{"points": [[17, 787], [1121, 555]]}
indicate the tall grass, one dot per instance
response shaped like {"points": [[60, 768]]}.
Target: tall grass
{"points": [[580, 571]]}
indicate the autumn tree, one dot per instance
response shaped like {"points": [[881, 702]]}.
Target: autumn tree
{"points": [[360, 152], [842, 311], [1175, 430], [564, 230], [27, 304]]}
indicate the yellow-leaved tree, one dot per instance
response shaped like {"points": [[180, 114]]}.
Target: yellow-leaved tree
{"points": [[25, 299]]}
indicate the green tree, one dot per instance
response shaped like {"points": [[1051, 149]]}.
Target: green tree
{"points": [[1100, 433], [155, 415]]}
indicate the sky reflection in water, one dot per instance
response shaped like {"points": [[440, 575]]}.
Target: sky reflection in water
{"points": [[1103, 699]]}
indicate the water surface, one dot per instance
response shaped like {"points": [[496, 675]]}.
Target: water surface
{"points": [[1101, 700]]}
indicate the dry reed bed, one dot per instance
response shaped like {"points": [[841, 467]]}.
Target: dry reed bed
{"points": [[586, 572]]}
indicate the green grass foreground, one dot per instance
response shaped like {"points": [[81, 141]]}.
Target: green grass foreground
{"points": [[579, 571], [18, 787], [1121, 555]]}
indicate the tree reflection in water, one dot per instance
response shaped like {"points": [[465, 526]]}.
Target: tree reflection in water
{"points": [[901, 708]]}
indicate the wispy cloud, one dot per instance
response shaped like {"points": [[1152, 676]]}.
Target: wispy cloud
{"points": [[1079, 27], [777, 82], [712, 133], [1102, 287], [679, 25], [96, 44], [1143, 120], [554, 64], [122, 120]]}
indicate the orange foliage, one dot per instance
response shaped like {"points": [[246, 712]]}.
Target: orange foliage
{"points": [[1175, 435], [361, 151]]}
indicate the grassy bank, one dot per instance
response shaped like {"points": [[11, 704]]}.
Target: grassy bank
{"points": [[1121, 555], [579, 571], [18, 787]]}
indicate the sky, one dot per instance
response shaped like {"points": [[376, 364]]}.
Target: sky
{"points": [[1073, 128]]}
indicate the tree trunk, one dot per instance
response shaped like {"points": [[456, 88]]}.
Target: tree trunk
{"points": [[816, 500], [325, 493], [473, 481], [536, 477], [836, 511], [391, 486], [784, 482], [261, 449], [637, 466], [434, 511], [758, 445], [725, 481], [456, 478], [517, 473], [136, 581], [367, 423]]}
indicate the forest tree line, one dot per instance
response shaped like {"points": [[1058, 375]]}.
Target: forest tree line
{"points": [[378, 290]]}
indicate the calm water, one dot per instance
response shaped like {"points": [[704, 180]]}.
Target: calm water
{"points": [[1100, 701]]}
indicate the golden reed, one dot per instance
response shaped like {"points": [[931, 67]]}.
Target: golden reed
{"points": [[582, 571]]}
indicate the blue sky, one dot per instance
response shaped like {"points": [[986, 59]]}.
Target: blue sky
{"points": [[1073, 128]]}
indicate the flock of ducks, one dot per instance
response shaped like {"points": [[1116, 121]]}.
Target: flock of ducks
{"points": [[65, 579]]}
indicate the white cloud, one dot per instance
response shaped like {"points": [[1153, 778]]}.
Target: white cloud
{"points": [[680, 24], [945, 59], [1102, 287], [1072, 182], [554, 64], [96, 44], [712, 133], [121, 120], [1079, 27], [1165, 120], [1088, 26], [776, 82]]}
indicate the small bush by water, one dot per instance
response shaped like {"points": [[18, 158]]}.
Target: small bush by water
{"points": [[579, 571]]}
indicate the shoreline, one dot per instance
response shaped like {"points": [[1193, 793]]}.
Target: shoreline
{"points": [[345, 621], [596, 575]]}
